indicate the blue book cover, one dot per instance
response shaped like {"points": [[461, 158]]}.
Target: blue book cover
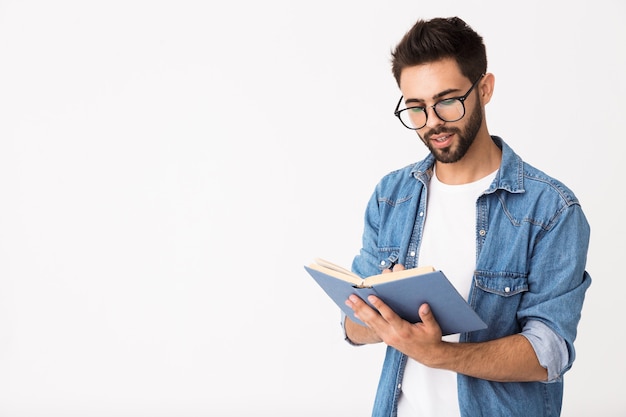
{"points": [[403, 292]]}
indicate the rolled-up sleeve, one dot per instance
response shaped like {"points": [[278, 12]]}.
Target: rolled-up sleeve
{"points": [[550, 348]]}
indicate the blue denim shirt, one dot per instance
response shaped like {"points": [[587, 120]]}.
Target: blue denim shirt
{"points": [[531, 247]]}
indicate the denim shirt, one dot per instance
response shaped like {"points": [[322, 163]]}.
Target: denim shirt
{"points": [[531, 249]]}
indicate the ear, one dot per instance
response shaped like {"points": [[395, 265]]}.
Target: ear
{"points": [[485, 88]]}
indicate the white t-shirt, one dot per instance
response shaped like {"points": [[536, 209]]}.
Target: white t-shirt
{"points": [[449, 244]]}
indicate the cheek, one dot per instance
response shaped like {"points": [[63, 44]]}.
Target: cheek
{"points": [[475, 120]]}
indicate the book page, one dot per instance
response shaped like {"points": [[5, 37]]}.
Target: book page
{"points": [[335, 267], [394, 276], [347, 275], [336, 272]]}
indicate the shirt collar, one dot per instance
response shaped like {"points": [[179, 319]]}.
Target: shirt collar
{"points": [[510, 175]]}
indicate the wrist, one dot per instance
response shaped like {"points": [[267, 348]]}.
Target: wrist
{"points": [[360, 334], [439, 355]]}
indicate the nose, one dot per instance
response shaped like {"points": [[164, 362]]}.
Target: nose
{"points": [[433, 119]]}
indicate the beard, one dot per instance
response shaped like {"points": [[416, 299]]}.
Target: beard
{"points": [[465, 138]]}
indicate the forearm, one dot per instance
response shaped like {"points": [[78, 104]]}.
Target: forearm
{"points": [[510, 359]]}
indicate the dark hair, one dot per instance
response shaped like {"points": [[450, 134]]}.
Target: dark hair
{"points": [[439, 38]]}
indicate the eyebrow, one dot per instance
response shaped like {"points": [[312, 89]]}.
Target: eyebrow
{"points": [[435, 97]]}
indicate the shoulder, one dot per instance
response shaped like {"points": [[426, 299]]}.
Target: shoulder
{"points": [[520, 178], [542, 185]]}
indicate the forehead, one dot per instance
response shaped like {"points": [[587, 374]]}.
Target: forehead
{"points": [[427, 80]]}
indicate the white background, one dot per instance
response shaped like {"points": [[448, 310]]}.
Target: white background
{"points": [[167, 167]]}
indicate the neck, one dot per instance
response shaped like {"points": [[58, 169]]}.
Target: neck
{"points": [[481, 159]]}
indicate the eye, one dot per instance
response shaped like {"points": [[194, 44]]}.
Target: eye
{"points": [[448, 102], [416, 110]]}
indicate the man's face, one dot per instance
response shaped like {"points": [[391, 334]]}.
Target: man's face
{"points": [[425, 85]]}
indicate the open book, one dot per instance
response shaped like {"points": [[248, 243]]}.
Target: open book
{"points": [[403, 291]]}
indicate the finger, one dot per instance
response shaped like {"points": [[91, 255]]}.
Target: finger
{"points": [[385, 311], [354, 301], [361, 309], [394, 268]]}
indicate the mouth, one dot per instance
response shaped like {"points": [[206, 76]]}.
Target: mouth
{"points": [[442, 140]]}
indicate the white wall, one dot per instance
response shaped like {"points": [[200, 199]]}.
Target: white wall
{"points": [[167, 167]]}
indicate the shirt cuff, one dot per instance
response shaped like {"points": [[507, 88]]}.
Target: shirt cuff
{"points": [[550, 348]]}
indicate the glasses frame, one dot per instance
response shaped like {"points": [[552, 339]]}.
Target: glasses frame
{"points": [[462, 99]]}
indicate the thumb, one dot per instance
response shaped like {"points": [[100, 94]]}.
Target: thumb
{"points": [[429, 322], [426, 314]]}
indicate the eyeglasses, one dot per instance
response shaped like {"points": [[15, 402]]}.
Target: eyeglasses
{"points": [[449, 110]]}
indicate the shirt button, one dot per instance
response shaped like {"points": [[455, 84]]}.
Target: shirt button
{"points": [[412, 253], [507, 289], [382, 263], [482, 233], [421, 214]]}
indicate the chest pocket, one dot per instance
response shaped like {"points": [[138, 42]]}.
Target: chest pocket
{"points": [[496, 298], [503, 285]]}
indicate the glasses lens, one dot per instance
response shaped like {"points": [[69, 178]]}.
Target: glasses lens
{"points": [[450, 110], [413, 117]]}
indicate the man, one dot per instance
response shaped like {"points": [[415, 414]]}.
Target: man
{"points": [[511, 239]]}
